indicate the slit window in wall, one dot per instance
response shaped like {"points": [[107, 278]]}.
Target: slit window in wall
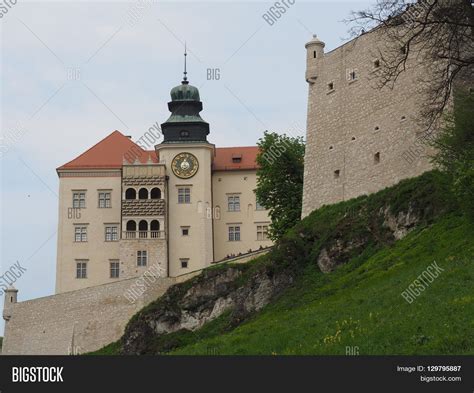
{"points": [[314, 54], [376, 63], [185, 231], [330, 148], [376, 128], [352, 75], [403, 118], [184, 263], [337, 174], [330, 86], [353, 138], [377, 158]]}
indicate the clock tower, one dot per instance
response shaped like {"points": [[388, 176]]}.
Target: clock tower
{"points": [[188, 158]]}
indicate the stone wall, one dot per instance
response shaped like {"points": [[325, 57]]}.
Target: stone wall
{"points": [[357, 133], [85, 319]]}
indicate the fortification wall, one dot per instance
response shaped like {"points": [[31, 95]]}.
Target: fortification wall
{"points": [[357, 133], [78, 321]]}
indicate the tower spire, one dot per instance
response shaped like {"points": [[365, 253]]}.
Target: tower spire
{"points": [[185, 78]]}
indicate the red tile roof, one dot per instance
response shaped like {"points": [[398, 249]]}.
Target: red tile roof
{"points": [[109, 154], [223, 160]]}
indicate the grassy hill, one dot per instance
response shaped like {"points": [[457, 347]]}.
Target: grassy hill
{"points": [[359, 305]]}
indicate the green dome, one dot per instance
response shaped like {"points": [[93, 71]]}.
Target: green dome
{"points": [[185, 92]]}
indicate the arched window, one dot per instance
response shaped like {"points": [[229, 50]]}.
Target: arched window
{"points": [[143, 193], [130, 193], [131, 225], [143, 229], [155, 229], [155, 225], [131, 230], [155, 193]]}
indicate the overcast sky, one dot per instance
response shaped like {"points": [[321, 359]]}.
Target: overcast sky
{"points": [[73, 72]]}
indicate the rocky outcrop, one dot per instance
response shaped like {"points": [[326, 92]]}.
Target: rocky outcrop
{"points": [[190, 305], [384, 228]]}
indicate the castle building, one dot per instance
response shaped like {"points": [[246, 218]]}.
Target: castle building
{"points": [[360, 139], [123, 209]]}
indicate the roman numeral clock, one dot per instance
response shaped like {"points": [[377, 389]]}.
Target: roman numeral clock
{"points": [[184, 165]]}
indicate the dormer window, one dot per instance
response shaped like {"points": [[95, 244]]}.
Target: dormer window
{"points": [[236, 158], [184, 134]]}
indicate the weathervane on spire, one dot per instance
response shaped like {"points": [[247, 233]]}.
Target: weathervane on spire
{"points": [[185, 78]]}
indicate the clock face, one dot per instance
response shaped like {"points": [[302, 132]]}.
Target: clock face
{"points": [[184, 165]]}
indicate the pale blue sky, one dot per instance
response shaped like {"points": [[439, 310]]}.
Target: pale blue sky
{"points": [[126, 72]]}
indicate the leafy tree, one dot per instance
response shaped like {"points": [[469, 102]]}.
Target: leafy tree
{"points": [[280, 180], [455, 149]]}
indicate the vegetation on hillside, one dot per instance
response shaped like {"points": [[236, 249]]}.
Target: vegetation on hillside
{"points": [[280, 180], [455, 150]]}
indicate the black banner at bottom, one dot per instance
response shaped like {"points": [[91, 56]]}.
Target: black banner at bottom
{"points": [[245, 373]]}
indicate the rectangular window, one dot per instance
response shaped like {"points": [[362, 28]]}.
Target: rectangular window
{"points": [[111, 234], [185, 231], [184, 263], [114, 269], [141, 258], [81, 269], [233, 203], [258, 206], [184, 195], [262, 232], [104, 200], [80, 233], [79, 199], [234, 234]]}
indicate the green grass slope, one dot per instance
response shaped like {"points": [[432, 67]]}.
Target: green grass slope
{"points": [[359, 306]]}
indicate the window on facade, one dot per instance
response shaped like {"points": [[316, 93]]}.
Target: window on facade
{"points": [[81, 269], [376, 63], [111, 234], [141, 258], [258, 206], [337, 173], [104, 199], [233, 203], [80, 233], [184, 263], [352, 75], [184, 195], [143, 193], [185, 231], [331, 86], [114, 269], [234, 234], [131, 193], [184, 133], [154, 226], [155, 193], [262, 232], [79, 199]]}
